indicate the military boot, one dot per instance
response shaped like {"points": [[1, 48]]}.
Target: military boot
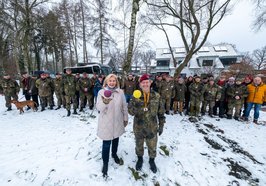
{"points": [[68, 112], [51, 107], [229, 116], [58, 107], [42, 109], [9, 108], [139, 163], [75, 111], [81, 109], [105, 169], [152, 165]]}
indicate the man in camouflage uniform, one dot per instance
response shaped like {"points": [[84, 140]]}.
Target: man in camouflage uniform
{"points": [[211, 94], [179, 95], [58, 91], [84, 87], [45, 87], [129, 86], [69, 90], [196, 91], [148, 111], [236, 96], [166, 90], [10, 90]]}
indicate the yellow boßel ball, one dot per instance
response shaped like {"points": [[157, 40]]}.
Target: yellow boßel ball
{"points": [[137, 94]]}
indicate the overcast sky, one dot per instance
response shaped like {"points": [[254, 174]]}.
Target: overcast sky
{"points": [[235, 29]]}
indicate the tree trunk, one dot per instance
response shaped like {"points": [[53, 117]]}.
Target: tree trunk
{"points": [[101, 37], [85, 54], [128, 62]]}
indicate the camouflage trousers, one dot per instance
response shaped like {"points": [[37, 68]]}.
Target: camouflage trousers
{"points": [[167, 102], [178, 105], [60, 99], [206, 103], [150, 142], [194, 107], [234, 104], [45, 100], [72, 98], [84, 98], [8, 99]]}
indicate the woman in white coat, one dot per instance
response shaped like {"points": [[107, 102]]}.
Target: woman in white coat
{"points": [[113, 118]]}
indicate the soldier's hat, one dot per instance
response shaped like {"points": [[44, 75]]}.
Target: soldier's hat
{"points": [[58, 73], [211, 79], [25, 72], [144, 77]]}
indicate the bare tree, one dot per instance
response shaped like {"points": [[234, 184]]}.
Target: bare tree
{"points": [[260, 10], [259, 58], [146, 58], [194, 21], [134, 12]]}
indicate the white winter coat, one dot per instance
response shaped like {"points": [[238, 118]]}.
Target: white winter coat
{"points": [[112, 115]]}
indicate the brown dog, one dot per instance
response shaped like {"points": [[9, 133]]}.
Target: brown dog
{"points": [[21, 104]]}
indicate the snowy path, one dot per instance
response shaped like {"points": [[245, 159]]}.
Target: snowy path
{"points": [[47, 148]]}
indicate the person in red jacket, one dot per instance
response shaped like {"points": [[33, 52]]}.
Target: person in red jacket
{"points": [[256, 97]]}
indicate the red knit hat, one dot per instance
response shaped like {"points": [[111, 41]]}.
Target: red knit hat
{"points": [[144, 77]]}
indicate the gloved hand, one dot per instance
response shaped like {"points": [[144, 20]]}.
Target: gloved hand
{"points": [[63, 93], [160, 130], [264, 103], [105, 100], [125, 123]]}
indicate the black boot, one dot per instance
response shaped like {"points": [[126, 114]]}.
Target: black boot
{"points": [[117, 160], [9, 108], [229, 116], [68, 112], [81, 109], [58, 107], [152, 165], [139, 163], [51, 107], [75, 111], [105, 169], [42, 109]]}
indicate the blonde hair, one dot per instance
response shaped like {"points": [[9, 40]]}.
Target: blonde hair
{"points": [[110, 76]]}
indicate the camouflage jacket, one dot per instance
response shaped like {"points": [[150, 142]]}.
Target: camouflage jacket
{"points": [[45, 87], [166, 89], [147, 119], [9, 87], [69, 85], [237, 90], [84, 85], [196, 90], [212, 93], [58, 83]]}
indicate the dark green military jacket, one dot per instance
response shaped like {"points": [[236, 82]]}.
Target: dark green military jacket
{"points": [[196, 91], [147, 119], [69, 85], [179, 91]]}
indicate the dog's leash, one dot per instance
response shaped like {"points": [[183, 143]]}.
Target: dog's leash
{"points": [[21, 98]]}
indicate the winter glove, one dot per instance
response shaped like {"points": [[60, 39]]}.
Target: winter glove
{"points": [[105, 100], [63, 93], [160, 130], [264, 103], [125, 123]]}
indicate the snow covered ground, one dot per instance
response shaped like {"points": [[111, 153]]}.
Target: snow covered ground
{"points": [[48, 148]]}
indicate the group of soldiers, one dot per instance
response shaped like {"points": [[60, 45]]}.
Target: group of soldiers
{"points": [[191, 96], [69, 89], [197, 96]]}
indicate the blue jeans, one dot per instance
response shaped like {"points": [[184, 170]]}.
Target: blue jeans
{"points": [[106, 149], [256, 110], [128, 97]]}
